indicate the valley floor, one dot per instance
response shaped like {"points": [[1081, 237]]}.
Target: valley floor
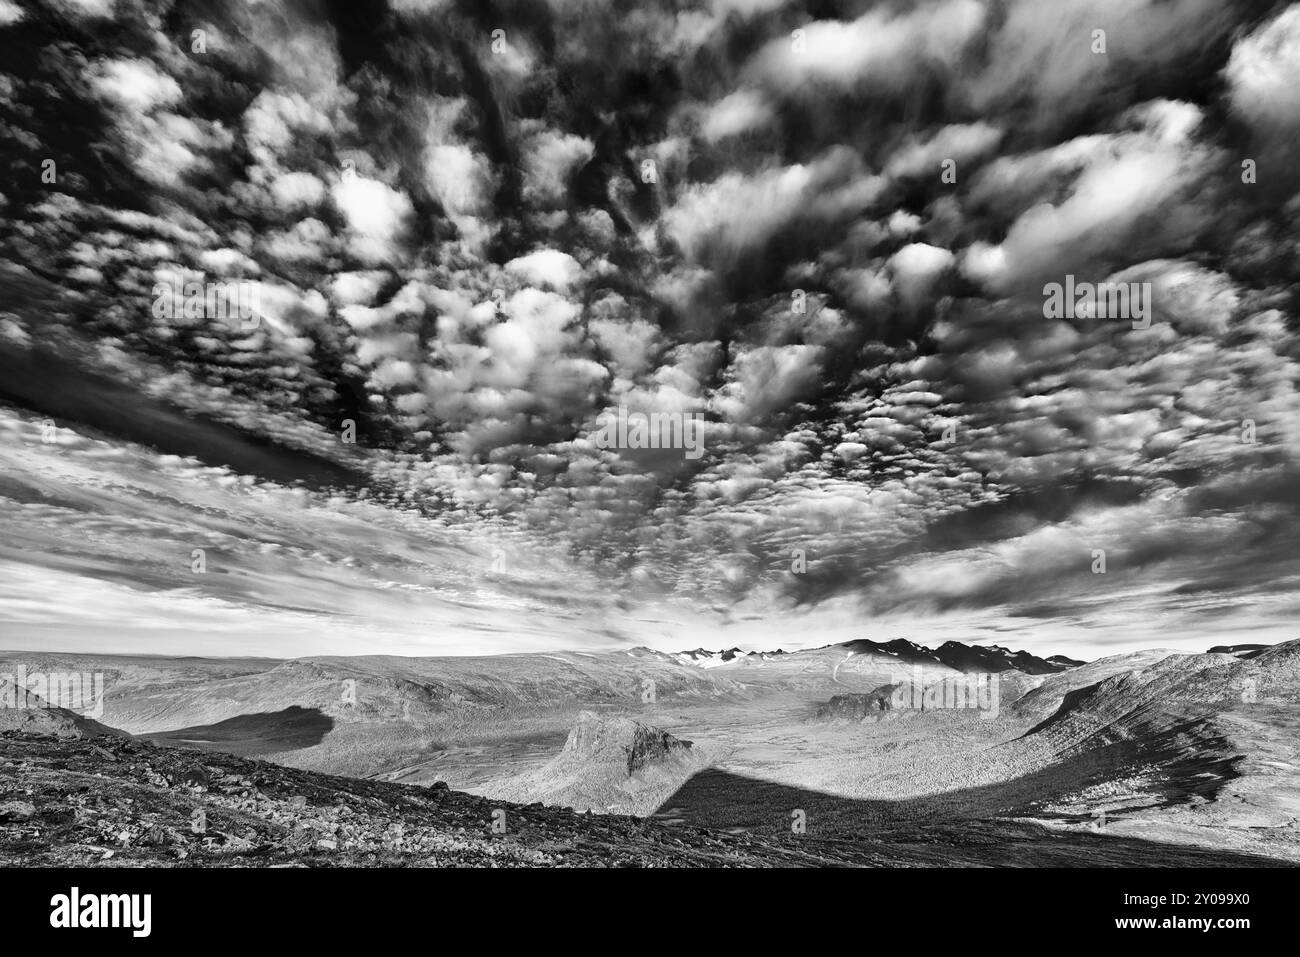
{"points": [[955, 779]]}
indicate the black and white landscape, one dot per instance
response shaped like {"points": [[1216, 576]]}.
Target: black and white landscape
{"points": [[696, 433]]}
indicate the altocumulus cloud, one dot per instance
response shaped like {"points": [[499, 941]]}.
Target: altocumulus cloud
{"points": [[475, 235]]}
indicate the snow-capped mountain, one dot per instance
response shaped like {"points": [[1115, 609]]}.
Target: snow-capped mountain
{"points": [[703, 658], [953, 654]]}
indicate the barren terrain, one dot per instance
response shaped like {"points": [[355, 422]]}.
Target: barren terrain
{"points": [[1152, 757]]}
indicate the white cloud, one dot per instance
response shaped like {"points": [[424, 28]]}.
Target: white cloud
{"points": [[307, 240], [546, 267], [293, 191], [958, 142], [272, 123], [550, 158], [916, 266], [377, 216], [629, 343], [736, 113], [738, 211], [10, 13], [1263, 73], [135, 85], [460, 177], [1124, 178], [879, 48], [357, 288], [768, 378]]}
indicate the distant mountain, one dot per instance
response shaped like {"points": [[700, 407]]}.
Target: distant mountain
{"points": [[995, 658], [905, 651], [1065, 662], [951, 654], [965, 658], [703, 658]]}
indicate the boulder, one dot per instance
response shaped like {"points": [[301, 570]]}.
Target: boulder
{"points": [[15, 812]]}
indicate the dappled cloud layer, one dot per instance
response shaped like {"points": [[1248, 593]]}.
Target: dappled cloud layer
{"points": [[475, 232]]}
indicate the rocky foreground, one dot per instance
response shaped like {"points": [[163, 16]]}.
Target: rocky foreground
{"points": [[123, 802], [117, 801]]}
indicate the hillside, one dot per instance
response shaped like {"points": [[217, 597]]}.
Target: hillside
{"points": [[123, 802], [119, 802], [1048, 695], [36, 716], [1187, 747]]}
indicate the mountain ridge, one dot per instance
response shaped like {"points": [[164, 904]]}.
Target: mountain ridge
{"points": [[953, 654]]}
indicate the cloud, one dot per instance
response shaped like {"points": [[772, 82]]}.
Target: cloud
{"points": [[1048, 56], [458, 176], [136, 85], [551, 158], [457, 252], [720, 220], [735, 114], [958, 142], [547, 268], [377, 217], [768, 378], [1122, 180], [1261, 74], [916, 267], [89, 9], [293, 191], [879, 49]]}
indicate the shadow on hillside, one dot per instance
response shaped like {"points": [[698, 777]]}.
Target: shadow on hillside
{"points": [[252, 734], [964, 827]]}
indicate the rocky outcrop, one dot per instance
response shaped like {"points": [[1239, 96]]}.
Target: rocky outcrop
{"points": [[609, 763], [857, 707], [597, 739]]}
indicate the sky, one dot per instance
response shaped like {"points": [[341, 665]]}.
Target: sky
{"points": [[468, 234]]}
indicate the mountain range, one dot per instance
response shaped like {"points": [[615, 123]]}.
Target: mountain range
{"points": [[952, 654]]}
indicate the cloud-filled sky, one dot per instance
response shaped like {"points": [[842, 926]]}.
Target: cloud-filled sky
{"points": [[474, 231]]}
